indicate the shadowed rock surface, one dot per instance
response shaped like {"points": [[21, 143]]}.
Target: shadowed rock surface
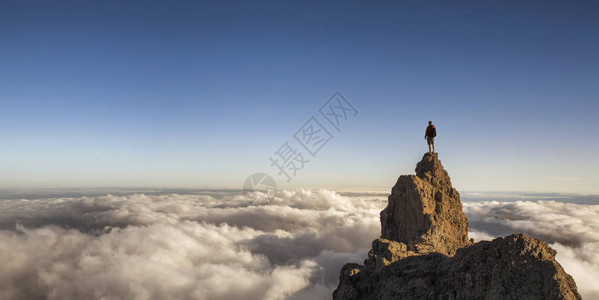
{"points": [[424, 252]]}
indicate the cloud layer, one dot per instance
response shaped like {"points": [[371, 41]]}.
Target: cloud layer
{"points": [[218, 246], [571, 229], [181, 246]]}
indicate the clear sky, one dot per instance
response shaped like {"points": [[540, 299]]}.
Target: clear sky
{"points": [[200, 94]]}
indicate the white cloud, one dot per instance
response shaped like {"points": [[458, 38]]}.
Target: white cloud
{"points": [[217, 246], [571, 229], [188, 261], [181, 246]]}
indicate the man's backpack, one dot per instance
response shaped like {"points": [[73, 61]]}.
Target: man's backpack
{"points": [[433, 132]]}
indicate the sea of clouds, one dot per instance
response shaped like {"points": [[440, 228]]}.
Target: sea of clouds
{"points": [[228, 245]]}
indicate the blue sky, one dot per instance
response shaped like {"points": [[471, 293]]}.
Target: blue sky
{"points": [[199, 94]]}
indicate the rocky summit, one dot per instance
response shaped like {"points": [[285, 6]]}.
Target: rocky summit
{"points": [[424, 252]]}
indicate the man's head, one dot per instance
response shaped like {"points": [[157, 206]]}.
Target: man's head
{"points": [[430, 122]]}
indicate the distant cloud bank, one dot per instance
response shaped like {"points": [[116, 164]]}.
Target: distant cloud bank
{"points": [[214, 245]]}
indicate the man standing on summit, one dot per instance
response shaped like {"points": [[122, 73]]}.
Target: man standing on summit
{"points": [[429, 136]]}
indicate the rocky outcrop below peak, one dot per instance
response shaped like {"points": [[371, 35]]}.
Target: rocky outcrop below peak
{"points": [[424, 252]]}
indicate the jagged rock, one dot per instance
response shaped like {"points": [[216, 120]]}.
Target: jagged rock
{"points": [[513, 267], [424, 252], [425, 212]]}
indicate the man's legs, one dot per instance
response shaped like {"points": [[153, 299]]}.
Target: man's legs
{"points": [[430, 141]]}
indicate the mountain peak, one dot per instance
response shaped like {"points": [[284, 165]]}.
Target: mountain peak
{"points": [[425, 211], [424, 251], [430, 162], [430, 169]]}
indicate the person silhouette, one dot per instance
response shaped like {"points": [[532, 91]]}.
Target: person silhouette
{"points": [[429, 136]]}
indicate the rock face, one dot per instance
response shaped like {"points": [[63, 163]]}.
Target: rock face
{"points": [[424, 252], [425, 211]]}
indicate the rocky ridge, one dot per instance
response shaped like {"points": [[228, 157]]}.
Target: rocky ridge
{"points": [[424, 252]]}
